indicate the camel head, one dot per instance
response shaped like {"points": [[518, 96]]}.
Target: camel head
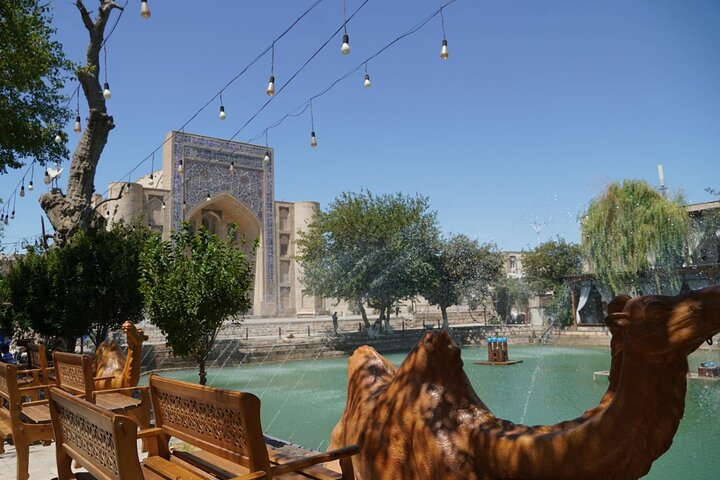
{"points": [[659, 327], [135, 336]]}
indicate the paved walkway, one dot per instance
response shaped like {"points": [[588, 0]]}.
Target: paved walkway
{"points": [[42, 462]]}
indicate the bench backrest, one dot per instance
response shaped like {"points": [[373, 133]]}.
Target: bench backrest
{"points": [[104, 443], [9, 395], [74, 373], [223, 422], [37, 356]]}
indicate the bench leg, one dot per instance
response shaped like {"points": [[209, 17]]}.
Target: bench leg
{"points": [[346, 466], [22, 451]]}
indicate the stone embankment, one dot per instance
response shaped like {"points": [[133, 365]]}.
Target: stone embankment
{"points": [[282, 339]]}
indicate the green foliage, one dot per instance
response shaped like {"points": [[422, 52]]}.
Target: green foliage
{"points": [[706, 233], [192, 284], [560, 308], [509, 294], [463, 270], [369, 249], [631, 232], [33, 69], [549, 263], [88, 286]]}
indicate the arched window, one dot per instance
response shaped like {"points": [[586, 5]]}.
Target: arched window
{"points": [[212, 222]]}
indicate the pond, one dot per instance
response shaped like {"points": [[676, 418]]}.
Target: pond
{"points": [[302, 400]]}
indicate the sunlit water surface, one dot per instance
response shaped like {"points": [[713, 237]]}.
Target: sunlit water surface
{"points": [[302, 400]]}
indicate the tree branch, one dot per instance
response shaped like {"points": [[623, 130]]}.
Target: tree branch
{"points": [[85, 15], [111, 199]]}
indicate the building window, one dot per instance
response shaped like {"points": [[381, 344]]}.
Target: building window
{"points": [[284, 217], [284, 245], [212, 222], [285, 271]]}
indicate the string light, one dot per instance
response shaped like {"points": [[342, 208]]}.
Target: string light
{"points": [[232, 166], [58, 137], [106, 86], [266, 158], [271, 84], [444, 49], [345, 49], [180, 168], [223, 116], [145, 9], [207, 199], [163, 204], [367, 83], [22, 189], [77, 126], [152, 169], [313, 139]]}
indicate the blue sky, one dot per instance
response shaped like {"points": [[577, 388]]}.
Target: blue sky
{"points": [[540, 105]]}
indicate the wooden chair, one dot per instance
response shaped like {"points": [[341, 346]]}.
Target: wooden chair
{"points": [[26, 422], [74, 374], [225, 425], [104, 444], [38, 360]]}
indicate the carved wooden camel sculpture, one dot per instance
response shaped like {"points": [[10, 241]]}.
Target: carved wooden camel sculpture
{"points": [[113, 370], [425, 421]]}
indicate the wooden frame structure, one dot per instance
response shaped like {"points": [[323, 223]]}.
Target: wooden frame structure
{"points": [[26, 422], [226, 426]]}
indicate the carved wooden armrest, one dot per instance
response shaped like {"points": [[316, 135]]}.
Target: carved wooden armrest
{"points": [[144, 390], [323, 457], [35, 402], [34, 387], [149, 432]]}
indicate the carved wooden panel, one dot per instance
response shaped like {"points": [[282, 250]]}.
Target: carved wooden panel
{"points": [[71, 375], [90, 439], [220, 424]]}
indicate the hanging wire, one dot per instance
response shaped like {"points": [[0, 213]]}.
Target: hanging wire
{"points": [[345, 18], [312, 117], [272, 60], [442, 21], [105, 61]]}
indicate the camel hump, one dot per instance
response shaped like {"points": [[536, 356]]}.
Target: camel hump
{"points": [[436, 355]]}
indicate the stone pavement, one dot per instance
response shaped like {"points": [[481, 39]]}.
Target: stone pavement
{"points": [[42, 462]]}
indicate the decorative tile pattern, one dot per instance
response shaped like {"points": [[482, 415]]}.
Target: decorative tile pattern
{"points": [[206, 162], [219, 424]]}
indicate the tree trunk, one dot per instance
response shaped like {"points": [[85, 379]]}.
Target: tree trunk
{"points": [[73, 211], [443, 310], [364, 315], [202, 373]]}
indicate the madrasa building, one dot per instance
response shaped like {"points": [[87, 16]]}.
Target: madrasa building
{"points": [[214, 183]]}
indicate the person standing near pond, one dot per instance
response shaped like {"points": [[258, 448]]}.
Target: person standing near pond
{"points": [[335, 322]]}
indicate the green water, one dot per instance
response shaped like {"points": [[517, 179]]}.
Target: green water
{"points": [[302, 400]]}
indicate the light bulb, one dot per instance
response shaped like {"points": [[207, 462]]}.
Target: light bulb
{"points": [[77, 127], [444, 50], [345, 49], [5, 220], [12, 215], [144, 9], [151, 179], [184, 207], [163, 205], [106, 91], [31, 186], [107, 213], [180, 168], [313, 140], [58, 137], [271, 86], [267, 157], [232, 166], [22, 190], [367, 83], [223, 116], [207, 199]]}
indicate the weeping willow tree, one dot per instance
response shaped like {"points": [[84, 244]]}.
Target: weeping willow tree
{"points": [[632, 234]]}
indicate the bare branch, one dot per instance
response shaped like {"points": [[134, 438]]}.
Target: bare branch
{"points": [[111, 199], [85, 15]]}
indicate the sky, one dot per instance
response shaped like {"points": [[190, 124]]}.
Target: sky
{"points": [[540, 105]]}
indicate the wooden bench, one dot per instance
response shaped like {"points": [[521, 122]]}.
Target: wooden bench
{"points": [[225, 426], [105, 444], [26, 422], [74, 373]]}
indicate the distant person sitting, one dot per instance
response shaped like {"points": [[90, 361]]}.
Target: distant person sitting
{"points": [[6, 356]]}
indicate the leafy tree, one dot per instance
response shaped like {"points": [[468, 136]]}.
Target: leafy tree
{"points": [[547, 266], [88, 286], [631, 233], [33, 69], [369, 249], [463, 270], [192, 284]]}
